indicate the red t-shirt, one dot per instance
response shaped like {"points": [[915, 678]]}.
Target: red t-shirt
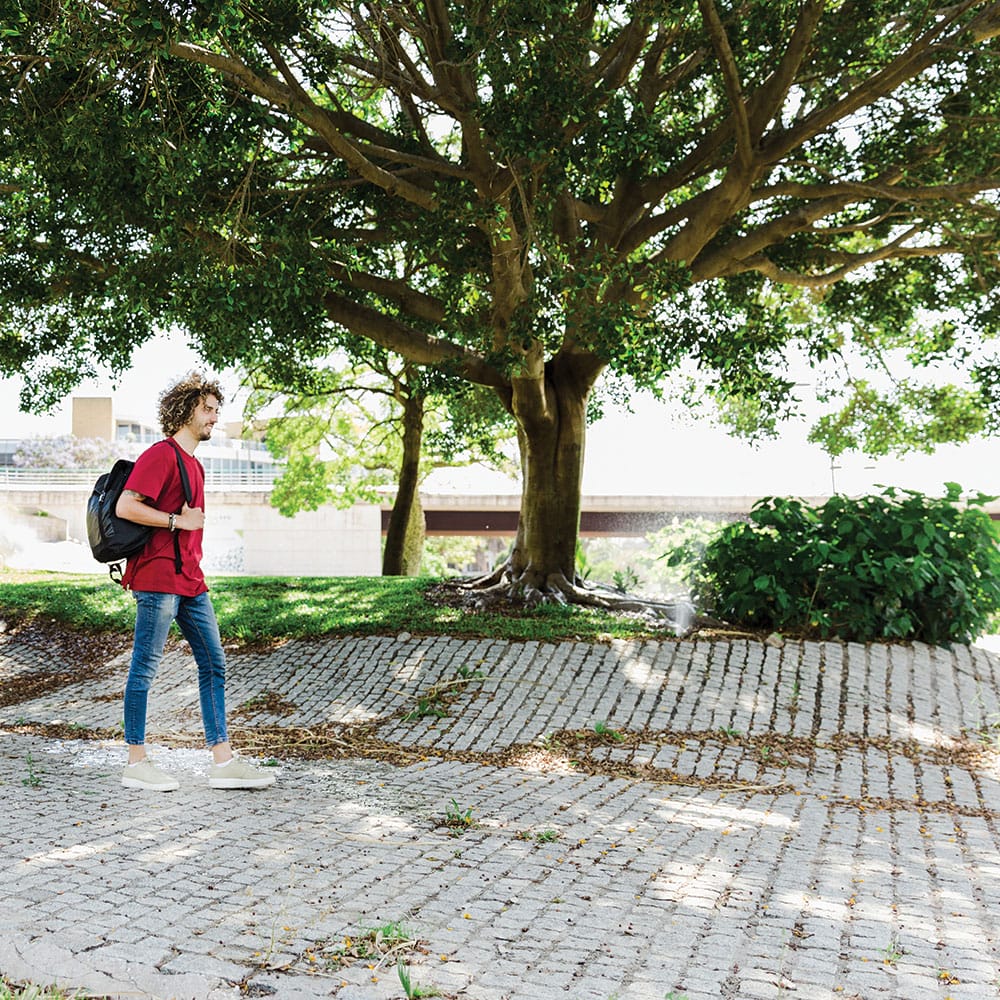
{"points": [[157, 478]]}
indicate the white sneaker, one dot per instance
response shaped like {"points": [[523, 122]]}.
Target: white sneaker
{"points": [[147, 775], [238, 774]]}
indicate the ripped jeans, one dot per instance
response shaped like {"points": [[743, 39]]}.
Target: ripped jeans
{"points": [[195, 617]]}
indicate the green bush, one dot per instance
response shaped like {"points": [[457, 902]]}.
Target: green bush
{"points": [[898, 565]]}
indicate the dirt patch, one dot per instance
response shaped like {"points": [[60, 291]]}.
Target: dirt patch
{"points": [[265, 703], [451, 594], [63, 731], [61, 642], [86, 655]]}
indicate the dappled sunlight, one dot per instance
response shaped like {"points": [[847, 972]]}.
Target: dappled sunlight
{"points": [[640, 673], [344, 712], [411, 669], [71, 853], [541, 762], [165, 854], [721, 812], [771, 876], [921, 732], [381, 825], [756, 808]]}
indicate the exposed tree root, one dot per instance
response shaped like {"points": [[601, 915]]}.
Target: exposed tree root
{"points": [[503, 588]]}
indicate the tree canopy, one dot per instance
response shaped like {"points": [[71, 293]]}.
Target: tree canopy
{"points": [[521, 194]]}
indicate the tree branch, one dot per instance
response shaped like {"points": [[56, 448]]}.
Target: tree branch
{"points": [[308, 113], [616, 62], [412, 301], [410, 343], [768, 99], [652, 83], [922, 54], [731, 76], [859, 190], [769, 269]]}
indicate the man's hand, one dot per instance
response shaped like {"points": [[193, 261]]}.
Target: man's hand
{"points": [[190, 518], [133, 507]]}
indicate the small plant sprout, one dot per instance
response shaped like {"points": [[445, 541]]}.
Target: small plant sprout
{"points": [[893, 951], [411, 989], [32, 780], [31, 991], [625, 580], [426, 707], [457, 818], [989, 735], [603, 729], [793, 701], [539, 837], [377, 945]]}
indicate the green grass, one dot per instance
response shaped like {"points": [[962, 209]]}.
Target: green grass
{"points": [[253, 609], [30, 991]]}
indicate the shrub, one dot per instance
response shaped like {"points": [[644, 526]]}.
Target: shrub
{"points": [[897, 565]]}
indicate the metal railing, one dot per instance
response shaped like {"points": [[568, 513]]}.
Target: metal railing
{"points": [[42, 480]]}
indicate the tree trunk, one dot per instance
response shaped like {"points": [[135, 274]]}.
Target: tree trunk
{"points": [[404, 537], [552, 425], [413, 542]]}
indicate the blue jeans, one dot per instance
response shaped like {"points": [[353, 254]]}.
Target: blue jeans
{"points": [[195, 617]]}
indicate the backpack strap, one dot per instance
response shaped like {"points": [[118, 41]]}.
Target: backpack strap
{"points": [[188, 496]]}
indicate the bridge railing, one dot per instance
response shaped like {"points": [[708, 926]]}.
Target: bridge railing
{"points": [[36, 480]]}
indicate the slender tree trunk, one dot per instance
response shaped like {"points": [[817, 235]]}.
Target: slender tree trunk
{"points": [[405, 533], [416, 535]]}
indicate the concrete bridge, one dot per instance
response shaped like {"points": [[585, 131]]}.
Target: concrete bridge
{"points": [[600, 516]]}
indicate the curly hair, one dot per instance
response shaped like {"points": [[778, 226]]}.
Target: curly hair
{"points": [[178, 402]]}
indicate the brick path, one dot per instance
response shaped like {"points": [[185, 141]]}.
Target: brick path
{"points": [[814, 820]]}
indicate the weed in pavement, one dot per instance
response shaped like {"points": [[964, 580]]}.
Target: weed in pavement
{"points": [[411, 989], [458, 820], [32, 780], [603, 729]]}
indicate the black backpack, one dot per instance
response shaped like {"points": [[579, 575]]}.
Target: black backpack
{"points": [[112, 538]]}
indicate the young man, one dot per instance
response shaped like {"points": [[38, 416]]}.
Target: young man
{"points": [[164, 593]]}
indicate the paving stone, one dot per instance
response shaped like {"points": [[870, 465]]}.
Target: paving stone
{"points": [[749, 890]]}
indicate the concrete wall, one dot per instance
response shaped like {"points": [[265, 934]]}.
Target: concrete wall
{"points": [[244, 534], [69, 509], [42, 526], [325, 542]]}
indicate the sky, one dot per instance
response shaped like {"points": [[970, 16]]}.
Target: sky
{"points": [[651, 452]]}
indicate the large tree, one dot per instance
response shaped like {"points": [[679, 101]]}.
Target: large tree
{"points": [[522, 194]]}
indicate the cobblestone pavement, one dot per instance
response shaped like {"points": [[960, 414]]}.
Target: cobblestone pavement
{"points": [[632, 820]]}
